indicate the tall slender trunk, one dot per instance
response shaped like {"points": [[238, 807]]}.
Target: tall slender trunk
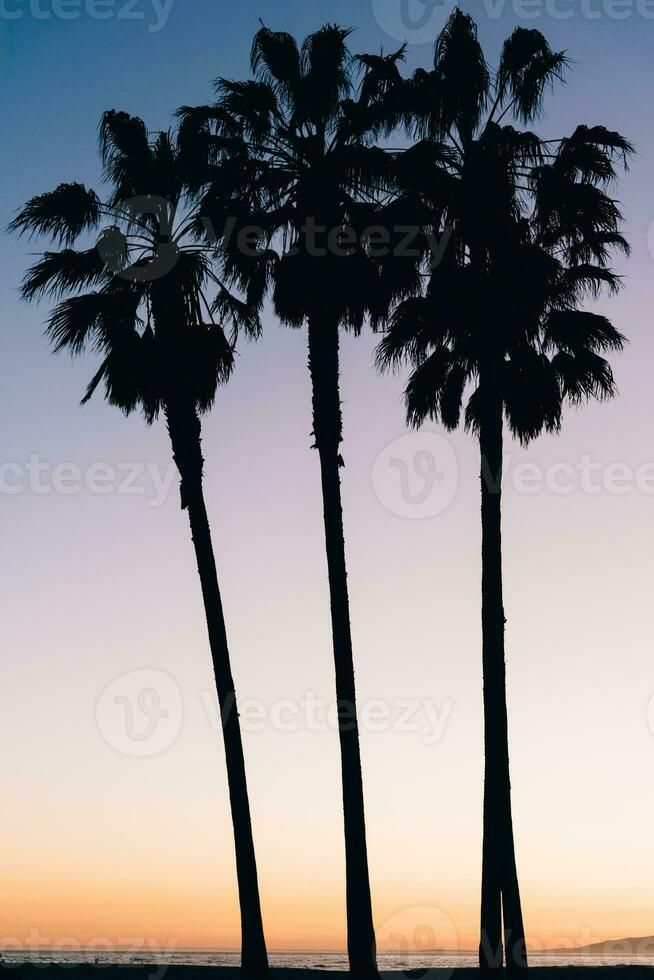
{"points": [[327, 427], [500, 893], [185, 436]]}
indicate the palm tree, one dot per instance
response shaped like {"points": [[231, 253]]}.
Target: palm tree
{"points": [[145, 297], [500, 326], [293, 157]]}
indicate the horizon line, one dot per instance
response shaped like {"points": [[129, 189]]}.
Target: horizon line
{"points": [[314, 950]]}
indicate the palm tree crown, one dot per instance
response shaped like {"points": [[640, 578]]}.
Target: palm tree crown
{"points": [[531, 230], [144, 296], [294, 158]]}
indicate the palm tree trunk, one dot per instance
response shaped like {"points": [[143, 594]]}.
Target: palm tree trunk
{"points": [[327, 423], [500, 893], [185, 436]]}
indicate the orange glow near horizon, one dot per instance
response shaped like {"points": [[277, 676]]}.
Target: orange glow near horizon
{"points": [[76, 912]]}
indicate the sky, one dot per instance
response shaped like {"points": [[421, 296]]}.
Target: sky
{"points": [[115, 822]]}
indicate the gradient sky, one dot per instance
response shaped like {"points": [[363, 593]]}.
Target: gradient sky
{"points": [[101, 844]]}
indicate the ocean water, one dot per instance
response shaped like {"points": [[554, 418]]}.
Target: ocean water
{"points": [[413, 964]]}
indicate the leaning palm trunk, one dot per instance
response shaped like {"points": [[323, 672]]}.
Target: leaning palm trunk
{"points": [[185, 435], [323, 366], [500, 889]]}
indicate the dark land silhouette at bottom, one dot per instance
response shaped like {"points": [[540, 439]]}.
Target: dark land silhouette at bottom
{"points": [[104, 972]]}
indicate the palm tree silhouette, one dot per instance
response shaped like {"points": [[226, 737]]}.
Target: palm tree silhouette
{"points": [[145, 297], [294, 159], [500, 325]]}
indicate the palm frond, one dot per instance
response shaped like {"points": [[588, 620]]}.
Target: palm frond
{"points": [[94, 383], [92, 318], [126, 369], [59, 272], [326, 74], [584, 375], [462, 74], [527, 66], [606, 140], [243, 315], [125, 153], [574, 331], [325, 55], [423, 392], [246, 107], [519, 148], [63, 213], [408, 339], [586, 280], [275, 59], [532, 397], [381, 74]]}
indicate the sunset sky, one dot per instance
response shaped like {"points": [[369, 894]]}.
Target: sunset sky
{"points": [[98, 844]]}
